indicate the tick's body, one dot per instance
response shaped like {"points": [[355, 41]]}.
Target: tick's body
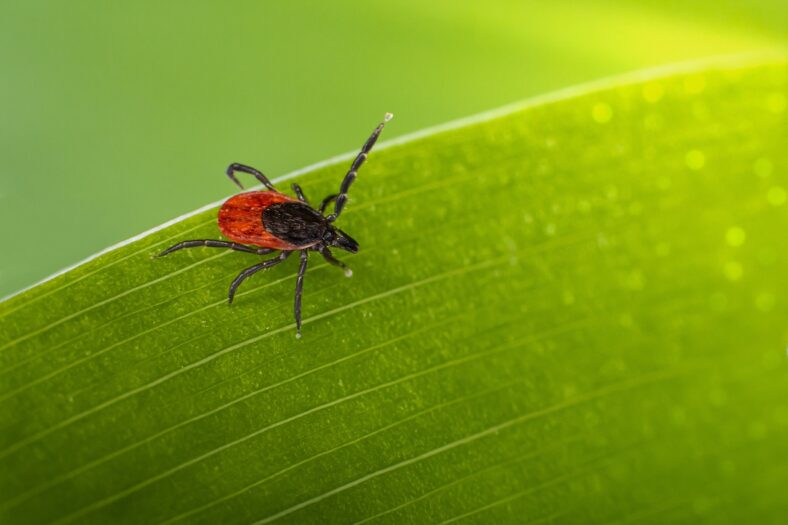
{"points": [[241, 219], [270, 221]]}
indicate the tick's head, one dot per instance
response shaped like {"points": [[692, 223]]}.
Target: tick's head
{"points": [[340, 239]]}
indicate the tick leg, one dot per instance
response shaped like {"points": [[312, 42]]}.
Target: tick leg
{"points": [[232, 168], [351, 174], [328, 200], [215, 244], [326, 253], [299, 193], [253, 270], [299, 289]]}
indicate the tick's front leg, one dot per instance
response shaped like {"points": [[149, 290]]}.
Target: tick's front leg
{"points": [[326, 253]]}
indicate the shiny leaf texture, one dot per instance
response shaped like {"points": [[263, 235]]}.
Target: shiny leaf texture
{"points": [[572, 310]]}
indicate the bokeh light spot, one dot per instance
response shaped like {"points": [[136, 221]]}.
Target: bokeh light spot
{"points": [[735, 236], [776, 196], [602, 113], [695, 159]]}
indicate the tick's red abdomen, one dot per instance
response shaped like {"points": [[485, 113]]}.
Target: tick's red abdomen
{"points": [[241, 219]]}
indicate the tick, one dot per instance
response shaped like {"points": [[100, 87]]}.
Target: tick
{"points": [[266, 222]]}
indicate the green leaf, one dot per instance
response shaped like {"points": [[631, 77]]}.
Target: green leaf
{"points": [[573, 310]]}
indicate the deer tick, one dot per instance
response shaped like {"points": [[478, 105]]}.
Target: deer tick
{"points": [[265, 222]]}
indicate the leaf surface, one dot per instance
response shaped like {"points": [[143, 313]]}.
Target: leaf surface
{"points": [[573, 310]]}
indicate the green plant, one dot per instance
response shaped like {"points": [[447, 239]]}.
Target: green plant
{"points": [[573, 310]]}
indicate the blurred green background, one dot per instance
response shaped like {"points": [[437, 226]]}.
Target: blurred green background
{"points": [[119, 116]]}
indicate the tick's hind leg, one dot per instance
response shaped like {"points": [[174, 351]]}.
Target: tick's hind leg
{"points": [[210, 243], [299, 289], [232, 168], [253, 270], [326, 253]]}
